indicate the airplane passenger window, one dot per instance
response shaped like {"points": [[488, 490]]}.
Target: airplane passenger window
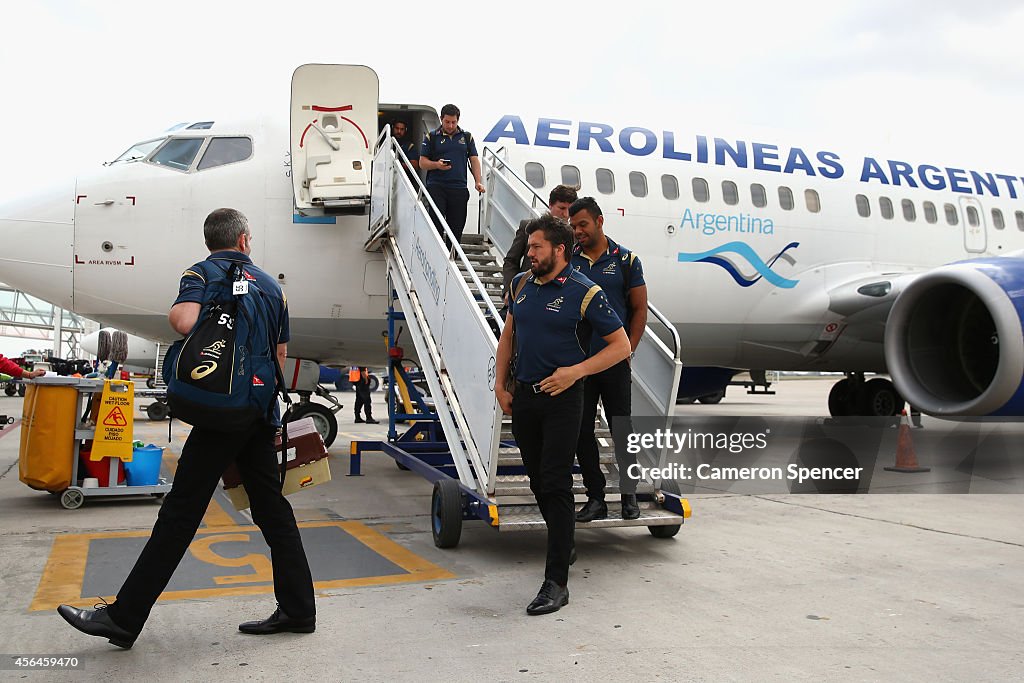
{"points": [[637, 184], [605, 181], [786, 198], [863, 206], [669, 187], [701, 192], [997, 219], [1019, 215], [177, 153], [730, 194], [813, 201], [535, 174], [930, 214], [909, 212], [885, 206], [972, 217], [758, 195], [951, 215], [571, 176], [223, 151]]}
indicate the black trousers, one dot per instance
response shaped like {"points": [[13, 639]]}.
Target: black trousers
{"points": [[452, 203], [546, 429], [363, 401], [203, 460], [612, 387]]}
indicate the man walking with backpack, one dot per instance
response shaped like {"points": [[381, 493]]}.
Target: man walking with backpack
{"points": [[209, 450]]}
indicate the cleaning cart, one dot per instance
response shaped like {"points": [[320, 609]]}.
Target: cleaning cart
{"points": [[76, 441]]}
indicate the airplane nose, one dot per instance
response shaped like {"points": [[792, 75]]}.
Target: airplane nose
{"points": [[38, 233]]}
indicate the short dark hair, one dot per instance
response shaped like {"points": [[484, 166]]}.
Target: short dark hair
{"points": [[450, 110], [556, 231], [223, 227], [588, 204], [562, 193], [399, 121]]}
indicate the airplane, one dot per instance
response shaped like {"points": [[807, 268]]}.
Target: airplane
{"points": [[765, 252]]}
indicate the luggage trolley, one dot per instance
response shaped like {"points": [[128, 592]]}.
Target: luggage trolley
{"points": [[50, 430]]}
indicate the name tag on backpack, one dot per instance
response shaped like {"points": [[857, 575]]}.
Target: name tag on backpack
{"points": [[239, 287]]}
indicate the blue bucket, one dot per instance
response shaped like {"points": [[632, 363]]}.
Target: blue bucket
{"points": [[144, 469]]}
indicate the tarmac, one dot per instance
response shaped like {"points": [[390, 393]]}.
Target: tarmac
{"points": [[754, 587]]}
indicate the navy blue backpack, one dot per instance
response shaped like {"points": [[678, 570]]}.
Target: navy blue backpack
{"points": [[225, 375]]}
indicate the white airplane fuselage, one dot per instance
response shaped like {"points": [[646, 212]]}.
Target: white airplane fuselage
{"points": [[749, 283]]}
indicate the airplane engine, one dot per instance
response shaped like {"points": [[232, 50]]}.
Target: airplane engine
{"points": [[953, 340]]}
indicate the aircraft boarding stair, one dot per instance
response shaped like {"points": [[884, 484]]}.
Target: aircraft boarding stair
{"points": [[449, 296]]}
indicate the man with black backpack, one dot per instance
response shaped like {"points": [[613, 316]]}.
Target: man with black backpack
{"points": [[227, 295]]}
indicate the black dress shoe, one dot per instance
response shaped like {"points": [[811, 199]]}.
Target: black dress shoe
{"points": [[96, 622], [551, 598], [593, 509], [278, 622], [630, 509], [572, 556], [358, 420], [371, 421]]}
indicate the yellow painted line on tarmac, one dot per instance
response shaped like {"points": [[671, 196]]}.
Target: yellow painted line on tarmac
{"points": [[64, 573]]}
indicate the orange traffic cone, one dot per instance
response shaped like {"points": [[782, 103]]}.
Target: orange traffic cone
{"points": [[906, 458]]}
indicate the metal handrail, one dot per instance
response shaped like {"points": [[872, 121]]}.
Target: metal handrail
{"points": [[651, 309], [421, 191]]}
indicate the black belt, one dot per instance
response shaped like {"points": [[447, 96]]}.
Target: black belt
{"points": [[528, 386]]}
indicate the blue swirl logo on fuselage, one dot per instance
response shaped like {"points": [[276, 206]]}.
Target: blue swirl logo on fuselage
{"points": [[743, 250]]}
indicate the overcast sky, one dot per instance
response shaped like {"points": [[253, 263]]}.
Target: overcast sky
{"points": [[81, 81]]}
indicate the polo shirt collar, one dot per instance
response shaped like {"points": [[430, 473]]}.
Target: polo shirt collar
{"points": [[229, 255], [612, 250], [440, 131], [559, 279]]}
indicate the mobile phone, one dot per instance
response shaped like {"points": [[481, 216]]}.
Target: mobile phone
{"points": [[445, 161]]}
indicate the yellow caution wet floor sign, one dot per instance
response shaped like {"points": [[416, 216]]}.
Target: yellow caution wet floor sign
{"points": [[113, 436]]}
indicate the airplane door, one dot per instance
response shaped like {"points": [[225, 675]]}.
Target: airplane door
{"points": [[333, 126], [127, 220], [975, 235]]}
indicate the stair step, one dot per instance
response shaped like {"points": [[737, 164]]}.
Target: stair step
{"points": [[519, 485], [515, 460], [472, 238], [528, 517], [475, 248], [491, 269], [600, 433]]}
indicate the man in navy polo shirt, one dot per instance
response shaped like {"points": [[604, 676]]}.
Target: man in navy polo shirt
{"points": [[204, 457], [621, 276], [411, 150], [445, 154], [554, 311]]}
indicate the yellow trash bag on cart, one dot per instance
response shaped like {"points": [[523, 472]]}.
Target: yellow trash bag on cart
{"points": [[47, 448]]}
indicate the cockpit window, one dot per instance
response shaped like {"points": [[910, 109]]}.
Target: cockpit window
{"points": [[139, 150], [178, 153], [201, 125], [222, 151]]}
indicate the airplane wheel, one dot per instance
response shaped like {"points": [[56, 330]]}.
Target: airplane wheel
{"points": [[446, 513], [839, 398], [10, 389], [151, 383], [664, 530], [711, 399], [323, 419], [72, 499], [157, 411], [879, 398]]}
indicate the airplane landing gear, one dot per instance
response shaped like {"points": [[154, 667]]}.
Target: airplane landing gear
{"points": [[853, 396]]}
